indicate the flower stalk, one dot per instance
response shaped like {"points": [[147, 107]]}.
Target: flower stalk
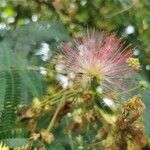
{"points": [[62, 101]]}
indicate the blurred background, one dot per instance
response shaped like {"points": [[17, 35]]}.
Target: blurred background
{"points": [[32, 30]]}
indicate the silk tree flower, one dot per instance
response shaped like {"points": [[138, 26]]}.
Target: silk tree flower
{"points": [[102, 56]]}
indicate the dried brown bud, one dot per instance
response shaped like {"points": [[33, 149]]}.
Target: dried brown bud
{"points": [[132, 110], [25, 113], [47, 136]]}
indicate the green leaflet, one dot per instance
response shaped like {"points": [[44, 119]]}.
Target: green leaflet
{"points": [[11, 100], [11, 89], [14, 138], [15, 79]]}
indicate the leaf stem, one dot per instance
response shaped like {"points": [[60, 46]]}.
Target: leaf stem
{"points": [[56, 113], [130, 90], [62, 100]]}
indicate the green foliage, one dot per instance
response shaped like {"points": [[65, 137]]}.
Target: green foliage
{"points": [[11, 87], [15, 138], [19, 70], [25, 40], [11, 100], [26, 24], [146, 96]]}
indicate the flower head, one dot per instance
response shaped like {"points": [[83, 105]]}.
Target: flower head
{"points": [[143, 85], [134, 62], [101, 56]]}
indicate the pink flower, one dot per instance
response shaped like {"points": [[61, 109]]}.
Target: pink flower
{"points": [[99, 55]]}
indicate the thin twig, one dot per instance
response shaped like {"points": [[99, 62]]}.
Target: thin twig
{"points": [[119, 12]]}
